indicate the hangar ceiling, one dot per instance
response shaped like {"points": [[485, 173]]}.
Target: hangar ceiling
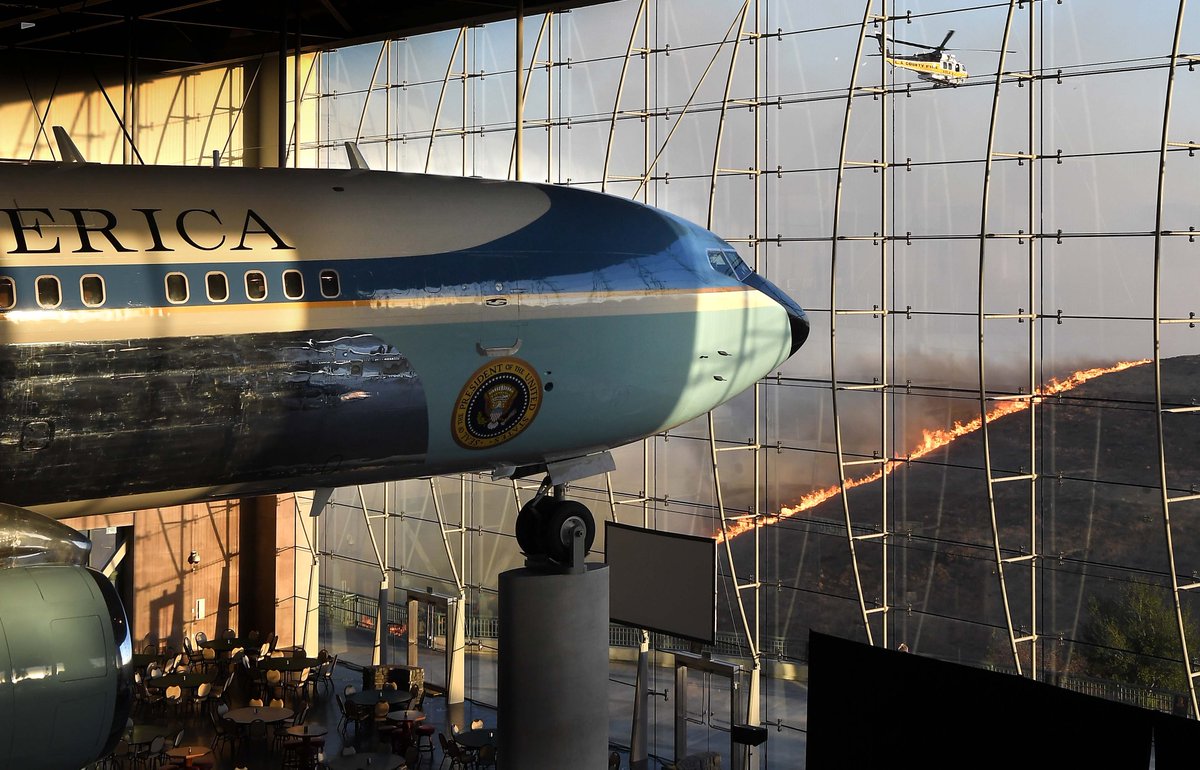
{"points": [[178, 35]]}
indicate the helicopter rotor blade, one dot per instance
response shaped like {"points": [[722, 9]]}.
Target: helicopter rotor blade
{"points": [[914, 45], [945, 40]]}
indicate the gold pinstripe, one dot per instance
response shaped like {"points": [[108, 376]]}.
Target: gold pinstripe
{"points": [[93, 325]]}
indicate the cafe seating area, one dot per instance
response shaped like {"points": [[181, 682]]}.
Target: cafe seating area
{"points": [[242, 702]]}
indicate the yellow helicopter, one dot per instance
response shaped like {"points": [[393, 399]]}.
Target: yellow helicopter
{"points": [[935, 64]]}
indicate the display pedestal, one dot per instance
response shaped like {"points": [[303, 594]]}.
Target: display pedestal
{"points": [[553, 670]]}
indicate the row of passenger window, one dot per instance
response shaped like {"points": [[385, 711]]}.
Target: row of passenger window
{"points": [[216, 288]]}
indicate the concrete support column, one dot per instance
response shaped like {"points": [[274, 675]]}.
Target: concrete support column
{"points": [[553, 669], [256, 578], [261, 116]]}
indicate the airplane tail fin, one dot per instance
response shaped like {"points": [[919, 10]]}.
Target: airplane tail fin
{"points": [[66, 148]]}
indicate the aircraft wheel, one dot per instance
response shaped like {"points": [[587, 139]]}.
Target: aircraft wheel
{"points": [[528, 526], [558, 519]]}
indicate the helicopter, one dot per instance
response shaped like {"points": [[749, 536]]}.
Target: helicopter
{"points": [[935, 64]]}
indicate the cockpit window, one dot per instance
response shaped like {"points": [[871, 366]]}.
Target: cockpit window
{"points": [[728, 263], [740, 268], [719, 263]]}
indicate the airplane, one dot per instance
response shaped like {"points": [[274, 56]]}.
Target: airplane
{"points": [[177, 334], [935, 64]]}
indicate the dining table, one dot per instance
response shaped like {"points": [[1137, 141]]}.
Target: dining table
{"points": [[476, 739], [222, 645], [406, 718], [373, 760], [369, 698], [187, 753], [287, 664], [188, 680], [268, 714], [307, 733]]}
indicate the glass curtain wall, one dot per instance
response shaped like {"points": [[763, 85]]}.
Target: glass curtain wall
{"points": [[985, 451]]}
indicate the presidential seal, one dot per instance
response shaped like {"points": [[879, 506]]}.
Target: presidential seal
{"points": [[497, 403]]}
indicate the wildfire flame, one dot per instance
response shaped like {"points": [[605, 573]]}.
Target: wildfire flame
{"points": [[930, 440]]}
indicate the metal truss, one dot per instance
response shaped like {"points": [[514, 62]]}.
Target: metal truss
{"points": [[1015, 554], [875, 538], [1165, 415]]}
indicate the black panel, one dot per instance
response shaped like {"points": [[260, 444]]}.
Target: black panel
{"points": [[870, 707]]}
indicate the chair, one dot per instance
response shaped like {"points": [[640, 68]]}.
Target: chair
{"points": [[224, 732], [257, 733], [485, 757], [201, 638], [275, 703], [222, 689], [229, 633], [424, 742], [204, 696], [153, 753], [326, 677], [302, 683], [412, 757], [355, 714], [452, 753], [173, 698], [614, 761], [257, 702], [271, 680], [383, 728], [476, 724], [281, 729]]}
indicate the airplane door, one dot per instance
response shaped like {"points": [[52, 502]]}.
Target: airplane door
{"points": [[501, 288]]}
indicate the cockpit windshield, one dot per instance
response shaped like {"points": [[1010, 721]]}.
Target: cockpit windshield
{"points": [[729, 263]]}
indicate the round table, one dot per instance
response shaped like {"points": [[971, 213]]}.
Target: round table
{"points": [[370, 697], [476, 739], [381, 760], [286, 664], [222, 645], [407, 716], [142, 659], [188, 680], [307, 732], [268, 714], [187, 753]]}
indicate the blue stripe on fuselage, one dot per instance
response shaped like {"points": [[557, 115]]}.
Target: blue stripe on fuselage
{"points": [[586, 242]]}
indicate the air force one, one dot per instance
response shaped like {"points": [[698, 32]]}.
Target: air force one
{"points": [[172, 334]]}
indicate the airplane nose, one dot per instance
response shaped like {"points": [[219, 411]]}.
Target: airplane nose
{"points": [[799, 323], [797, 318]]}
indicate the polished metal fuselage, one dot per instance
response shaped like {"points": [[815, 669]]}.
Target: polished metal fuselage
{"points": [[222, 332]]}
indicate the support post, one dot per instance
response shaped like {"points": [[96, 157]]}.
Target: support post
{"points": [[638, 755], [681, 681], [553, 669], [414, 607], [456, 644]]}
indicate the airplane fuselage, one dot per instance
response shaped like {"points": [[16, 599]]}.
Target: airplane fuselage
{"points": [[172, 334]]}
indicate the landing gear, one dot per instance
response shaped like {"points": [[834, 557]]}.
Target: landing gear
{"points": [[555, 533]]}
